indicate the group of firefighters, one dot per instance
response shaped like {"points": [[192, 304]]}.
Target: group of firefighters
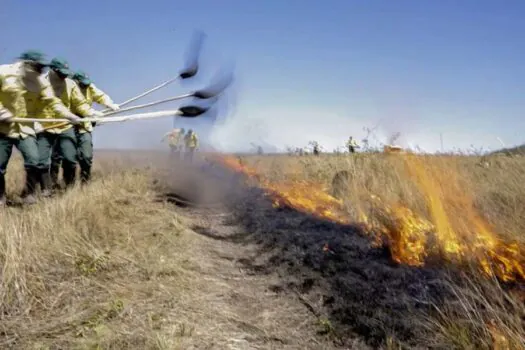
{"points": [[27, 90], [351, 146], [182, 143], [33, 87]]}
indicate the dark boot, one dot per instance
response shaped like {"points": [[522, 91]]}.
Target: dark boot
{"points": [[70, 175], [46, 183], [53, 173], [2, 191], [85, 175], [32, 179]]}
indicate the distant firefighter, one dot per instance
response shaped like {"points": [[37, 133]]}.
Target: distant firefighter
{"points": [[351, 144], [315, 148], [191, 143], [175, 138]]}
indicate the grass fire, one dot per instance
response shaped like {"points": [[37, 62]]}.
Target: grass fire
{"points": [[455, 231]]}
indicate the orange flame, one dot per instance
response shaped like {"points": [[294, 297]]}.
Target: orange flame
{"points": [[475, 240], [408, 236]]}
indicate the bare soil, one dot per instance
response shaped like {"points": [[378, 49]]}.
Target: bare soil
{"points": [[241, 304]]}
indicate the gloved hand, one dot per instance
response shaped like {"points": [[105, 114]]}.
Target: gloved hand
{"points": [[114, 107], [5, 115], [97, 114], [74, 119], [38, 127]]}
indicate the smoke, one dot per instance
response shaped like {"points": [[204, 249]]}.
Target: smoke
{"points": [[282, 127]]}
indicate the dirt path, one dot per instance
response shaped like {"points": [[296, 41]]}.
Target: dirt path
{"points": [[238, 307]]}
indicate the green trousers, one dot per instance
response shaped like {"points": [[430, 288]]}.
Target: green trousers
{"points": [[29, 149], [66, 144], [84, 142], [56, 163], [85, 155]]}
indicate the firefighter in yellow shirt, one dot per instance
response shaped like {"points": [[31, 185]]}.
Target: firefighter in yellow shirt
{"points": [[351, 144], [175, 141], [58, 134], [25, 93], [191, 143], [84, 131]]}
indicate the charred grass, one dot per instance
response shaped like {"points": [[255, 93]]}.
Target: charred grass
{"points": [[358, 288]]}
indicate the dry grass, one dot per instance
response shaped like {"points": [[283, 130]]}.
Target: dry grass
{"points": [[98, 267], [107, 266], [470, 188]]}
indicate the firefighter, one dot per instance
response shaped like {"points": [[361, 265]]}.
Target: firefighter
{"points": [[84, 131], [25, 93], [59, 134], [315, 148], [191, 143], [351, 144], [175, 138]]}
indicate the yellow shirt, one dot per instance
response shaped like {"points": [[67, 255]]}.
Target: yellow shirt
{"points": [[352, 143], [191, 140], [92, 94], [25, 96], [69, 94], [174, 137]]}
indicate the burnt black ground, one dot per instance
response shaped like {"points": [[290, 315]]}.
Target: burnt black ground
{"points": [[363, 292]]}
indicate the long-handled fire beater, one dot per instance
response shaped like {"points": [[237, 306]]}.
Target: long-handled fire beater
{"points": [[209, 93]]}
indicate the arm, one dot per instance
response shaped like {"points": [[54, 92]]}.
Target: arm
{"points": [[164, 137], [79, 104], [100, 96], [5, 115], [54, 103], [17, 107]]}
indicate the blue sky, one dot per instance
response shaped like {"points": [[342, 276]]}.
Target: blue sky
{"points": [[305, 70]]}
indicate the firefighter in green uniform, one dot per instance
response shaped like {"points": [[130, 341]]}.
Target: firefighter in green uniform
{"points": [[25, 93], [84, 131], [59, 134]]}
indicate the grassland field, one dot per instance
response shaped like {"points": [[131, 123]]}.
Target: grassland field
{"points": [[114, 265]]}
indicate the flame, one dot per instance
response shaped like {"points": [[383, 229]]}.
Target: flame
{"points": [[301, 195], [411, 238], [470, 237], [499, 340]]}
